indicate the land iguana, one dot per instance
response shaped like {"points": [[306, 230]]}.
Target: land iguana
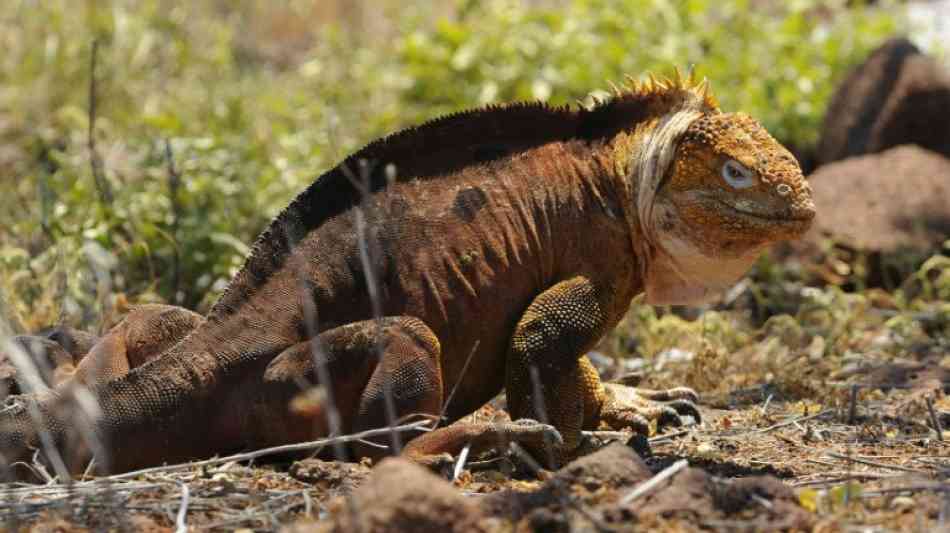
{"points": [[483, 251]]}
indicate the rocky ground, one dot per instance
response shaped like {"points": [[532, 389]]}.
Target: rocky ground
{"points": [[766, 465]]}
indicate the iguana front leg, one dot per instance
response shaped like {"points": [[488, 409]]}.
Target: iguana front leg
{"points": [[546, 357]]}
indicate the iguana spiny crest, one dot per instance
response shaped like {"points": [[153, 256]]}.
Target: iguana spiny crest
{"points": [[712, 190]]}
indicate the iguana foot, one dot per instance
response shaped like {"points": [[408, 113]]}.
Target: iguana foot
{"points": [[629, 407]]}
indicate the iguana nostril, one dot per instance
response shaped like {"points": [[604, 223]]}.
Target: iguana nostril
{"points": [[804, 209]]}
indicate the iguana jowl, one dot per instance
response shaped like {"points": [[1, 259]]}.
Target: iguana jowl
{"points": [[515, 236]]}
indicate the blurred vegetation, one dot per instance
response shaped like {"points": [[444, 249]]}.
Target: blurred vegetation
{"points": [[815, 339], [256, 98]]}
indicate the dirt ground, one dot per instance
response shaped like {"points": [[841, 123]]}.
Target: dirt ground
{"points": [[766, 466], [852, 447]]}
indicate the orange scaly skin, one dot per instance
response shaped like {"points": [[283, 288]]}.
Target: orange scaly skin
{"points": [[497, 245]]}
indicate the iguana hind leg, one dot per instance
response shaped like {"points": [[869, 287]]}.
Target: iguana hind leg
{"points": [[347, 367], [363, 363]]}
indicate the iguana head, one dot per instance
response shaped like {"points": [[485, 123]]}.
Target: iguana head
{"points": [[714, 189], [733, 188]]}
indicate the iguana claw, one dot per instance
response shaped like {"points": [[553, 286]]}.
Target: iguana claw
{"points": [[529, 431], [627, 407]]}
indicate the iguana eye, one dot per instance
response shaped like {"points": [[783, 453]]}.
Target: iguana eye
{"points": [[736, 174]]}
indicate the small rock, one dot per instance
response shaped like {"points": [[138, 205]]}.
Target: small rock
{"points": [[706, 450], [330, 475], [601, 361], [694, 493], [903, 502], [612, 467], [402, 496], [640, 444]]}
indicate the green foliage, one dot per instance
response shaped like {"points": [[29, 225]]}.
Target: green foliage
{"points": [[258, 98], [657, 332], [778, 63], [930, 282]]}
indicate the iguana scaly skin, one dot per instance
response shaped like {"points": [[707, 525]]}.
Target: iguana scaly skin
{"points": [[511, 238]]}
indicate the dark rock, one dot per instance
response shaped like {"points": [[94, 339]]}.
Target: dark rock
{"points": [[926, 375], [544, 520], [598, 482], [880, 216], [612, 466], [689, 491], [897, 96]]}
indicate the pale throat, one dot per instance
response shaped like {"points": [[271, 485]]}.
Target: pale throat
{"points": [[680, 274]]}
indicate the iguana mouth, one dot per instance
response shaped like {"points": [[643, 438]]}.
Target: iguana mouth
{"points": [[771, 217]]}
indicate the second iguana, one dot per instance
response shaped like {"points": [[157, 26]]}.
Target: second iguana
{"points": [[495, 246]]}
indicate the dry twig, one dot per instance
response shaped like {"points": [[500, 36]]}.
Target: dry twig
{"points": [[180, 524], [874, 463], [654, 481], [933, 418], [95, 162]]}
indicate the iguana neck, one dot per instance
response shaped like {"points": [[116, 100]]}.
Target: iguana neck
{"points": [[643, 159]]}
